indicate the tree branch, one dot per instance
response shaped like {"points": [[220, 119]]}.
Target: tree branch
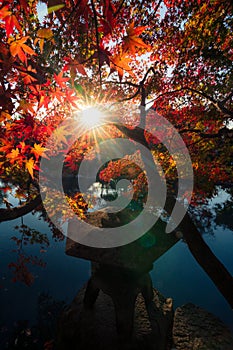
{"points": [[129, 83], [218, 105], [97, 38], [151, 69], [148, 19], [203, 255], [222, 132], [119, 8], [136, 134], [128, 98], [14, 213]]}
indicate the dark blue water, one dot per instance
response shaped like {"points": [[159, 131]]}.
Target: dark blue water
{"points": [[176, 274], [61, 279]]}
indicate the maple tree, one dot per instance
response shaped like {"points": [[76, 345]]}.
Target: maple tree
{"points": [[175, 55]]}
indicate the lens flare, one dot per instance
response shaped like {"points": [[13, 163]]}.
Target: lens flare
{"points": [[91, 117]]}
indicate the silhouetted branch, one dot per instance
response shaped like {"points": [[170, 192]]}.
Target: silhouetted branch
{"points": [[14, 213], [218, 105], [228, 133], [97, 39]]}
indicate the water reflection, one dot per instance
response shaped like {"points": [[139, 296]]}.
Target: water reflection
{"points": [[175, 273]]}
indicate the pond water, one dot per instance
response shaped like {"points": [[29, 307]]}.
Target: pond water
{"points": [[176, 274]]}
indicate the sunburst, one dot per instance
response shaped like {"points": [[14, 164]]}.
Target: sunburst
{"points": [[91, 116]]}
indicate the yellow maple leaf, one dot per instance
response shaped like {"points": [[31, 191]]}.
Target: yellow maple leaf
{"points": [[39, 151], [30, 166], [44, 33]]}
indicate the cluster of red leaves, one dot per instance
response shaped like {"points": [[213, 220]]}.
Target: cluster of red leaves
{"points": [[130, 168], [21, 145], [47, 67], [21, 270]]}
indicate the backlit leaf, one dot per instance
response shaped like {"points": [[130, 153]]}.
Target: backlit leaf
{"points": [[38, 151], [132, 40], [55, 8], [30, 166], [19, 48], [120, 63]]}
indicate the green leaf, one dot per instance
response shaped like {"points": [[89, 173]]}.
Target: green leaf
{"points": [[55, 8], [79, 88]]}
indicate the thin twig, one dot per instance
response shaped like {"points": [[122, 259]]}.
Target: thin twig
{"points": [[97, 38], [153, 13], [227, 98], [218, 105], [119, 8], [122, 83]]}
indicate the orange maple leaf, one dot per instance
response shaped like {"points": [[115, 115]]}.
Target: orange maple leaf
{"points": [[4, 12], [132, 40], [7, 147], [19, 48], [60, 135], [4, 115], [26, 106], [14, 155], [27, 75], [120, 63]]}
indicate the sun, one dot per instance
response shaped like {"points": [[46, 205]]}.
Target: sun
{"points": [[91, 117]]}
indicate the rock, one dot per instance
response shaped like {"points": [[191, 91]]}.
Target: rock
{"points": [[195, 328], [81, 328]]}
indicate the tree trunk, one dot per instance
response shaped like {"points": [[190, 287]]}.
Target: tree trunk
{"points": [[204, 256]]}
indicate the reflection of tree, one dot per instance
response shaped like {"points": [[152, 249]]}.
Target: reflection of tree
{"points": [[20, 268], [38, 336], [49, 310], [224, 215], [207, 216], [1, 197]]}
